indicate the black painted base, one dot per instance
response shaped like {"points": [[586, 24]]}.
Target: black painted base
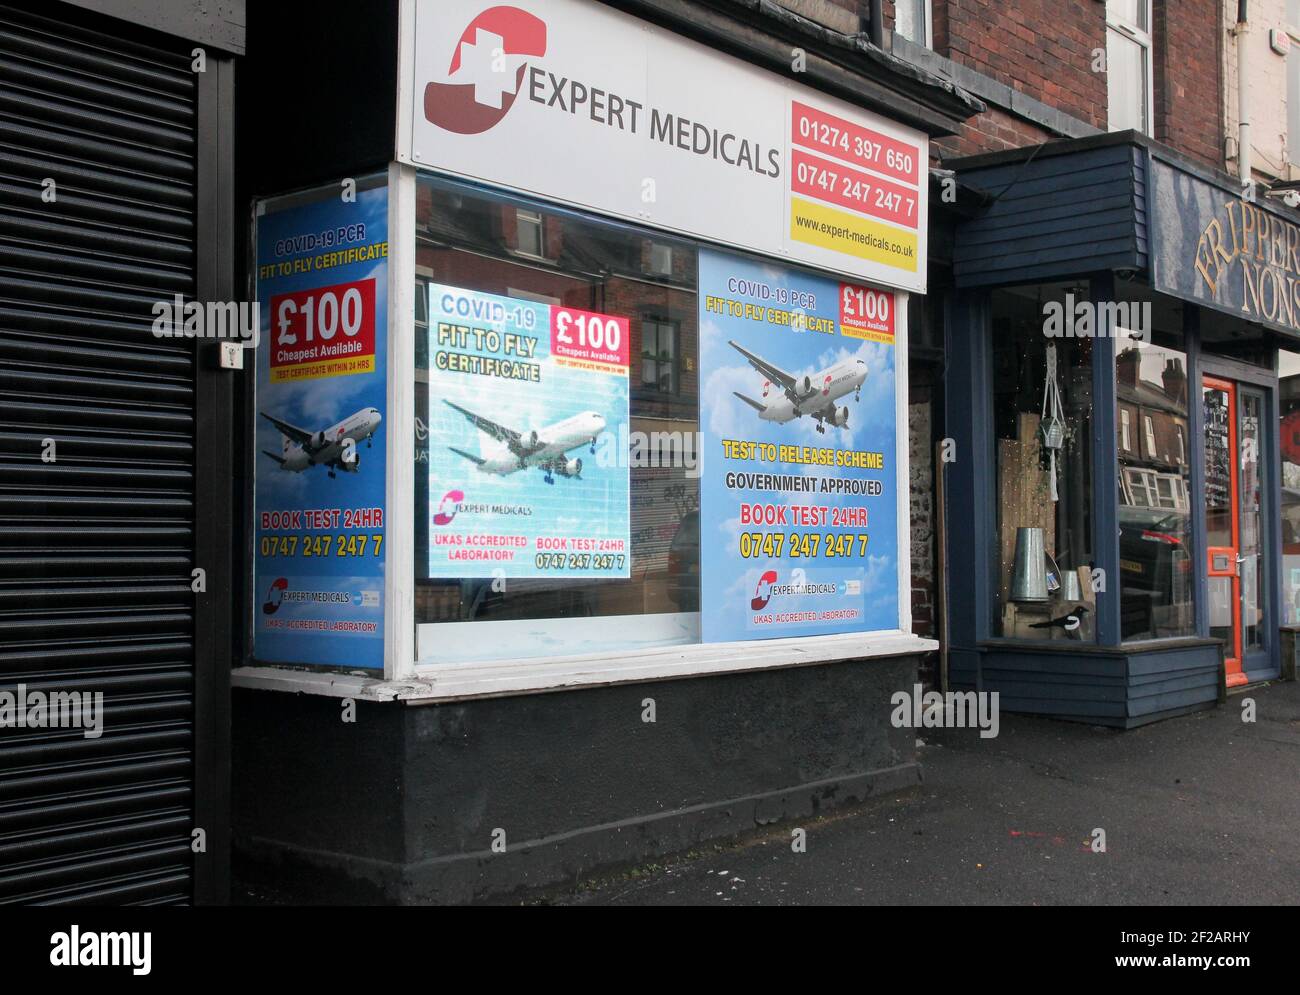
{"points": [[414, 804]]}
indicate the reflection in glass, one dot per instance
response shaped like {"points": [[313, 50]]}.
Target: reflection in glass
{"points": [[1289, 408], [1251, 562], [471, 239], [1154, 497]]}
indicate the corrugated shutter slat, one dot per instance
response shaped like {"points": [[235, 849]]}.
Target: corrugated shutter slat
{"points": [[96, 545]]}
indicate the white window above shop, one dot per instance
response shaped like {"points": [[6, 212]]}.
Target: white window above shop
{"points": [[1128, 65], [912, 20], [530, 234]]}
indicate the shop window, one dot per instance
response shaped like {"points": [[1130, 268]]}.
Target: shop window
{"points": [[912, 21], [659, 351], [600, 269], [1289, 410], [1042, 408], [1156, 574], [1128, 65]]}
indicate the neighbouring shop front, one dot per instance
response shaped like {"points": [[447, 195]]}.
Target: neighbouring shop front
{"points": [[1118, 360], [116, 131], [598, 389]]}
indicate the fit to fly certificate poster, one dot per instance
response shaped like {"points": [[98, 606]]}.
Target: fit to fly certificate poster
{"points": [[322, 285], [527, 428], [799, 501]]}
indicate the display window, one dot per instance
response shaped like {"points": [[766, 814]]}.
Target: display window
{"points": [[1157, 574], [602, 525], [1042, 410], [627, 441]]}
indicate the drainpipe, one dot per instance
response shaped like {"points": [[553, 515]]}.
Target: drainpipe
{"points": [[1243, 100], [877, 25]]}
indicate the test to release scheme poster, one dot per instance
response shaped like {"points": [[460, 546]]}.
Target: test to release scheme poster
{"points": [[798, 493], [527, 435], [322, 287]]}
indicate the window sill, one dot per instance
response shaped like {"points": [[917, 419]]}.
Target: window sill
{"points": [[433, 683]]}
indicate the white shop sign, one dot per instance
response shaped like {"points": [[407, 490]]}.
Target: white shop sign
{"points": [[576, 102]]}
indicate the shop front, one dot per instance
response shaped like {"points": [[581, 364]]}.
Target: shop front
{"points": [[1115, 339], [581, 526]]}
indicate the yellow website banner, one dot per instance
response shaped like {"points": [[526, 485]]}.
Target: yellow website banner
{"points": [[867, 334], [329, 368], [841, 231]]}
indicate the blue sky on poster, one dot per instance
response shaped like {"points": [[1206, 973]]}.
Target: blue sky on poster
{"points": [[316, 404], [596, 504], [871, 427]]}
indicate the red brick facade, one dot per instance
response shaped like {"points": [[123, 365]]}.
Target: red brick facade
{"points": [[1188, 70]]}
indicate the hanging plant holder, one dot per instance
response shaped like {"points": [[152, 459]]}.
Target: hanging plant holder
{"points": [[1053, 432], [1052, 424]]}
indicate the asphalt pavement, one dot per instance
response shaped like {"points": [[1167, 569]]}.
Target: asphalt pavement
{"points": [[1202, 809]]}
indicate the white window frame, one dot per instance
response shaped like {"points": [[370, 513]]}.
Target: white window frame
{"points": [[1125, 430], [1149, 433], [1143, 38], [447, 678]]}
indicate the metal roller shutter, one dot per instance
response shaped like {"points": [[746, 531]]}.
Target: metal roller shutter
{"points": [[96, 545]]}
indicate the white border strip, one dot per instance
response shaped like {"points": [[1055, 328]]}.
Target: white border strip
{"points": [[457, 682], [399, 526], [903, 461]]}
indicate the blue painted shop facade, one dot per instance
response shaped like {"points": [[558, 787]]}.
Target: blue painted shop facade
{"points": [[1112, 335]]}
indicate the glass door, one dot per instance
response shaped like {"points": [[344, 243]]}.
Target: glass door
{"points": [[1235, 524], [1250, 550], [1222, 531]]}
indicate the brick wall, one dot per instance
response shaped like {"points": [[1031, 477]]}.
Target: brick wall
{"points": [[921, 467], [1188, 73], [925, 594], [992, 131], [1043, 48]]}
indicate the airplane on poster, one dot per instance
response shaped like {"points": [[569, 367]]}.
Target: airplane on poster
{"points": [[546, 448], [814, 396], [303, 449]]}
